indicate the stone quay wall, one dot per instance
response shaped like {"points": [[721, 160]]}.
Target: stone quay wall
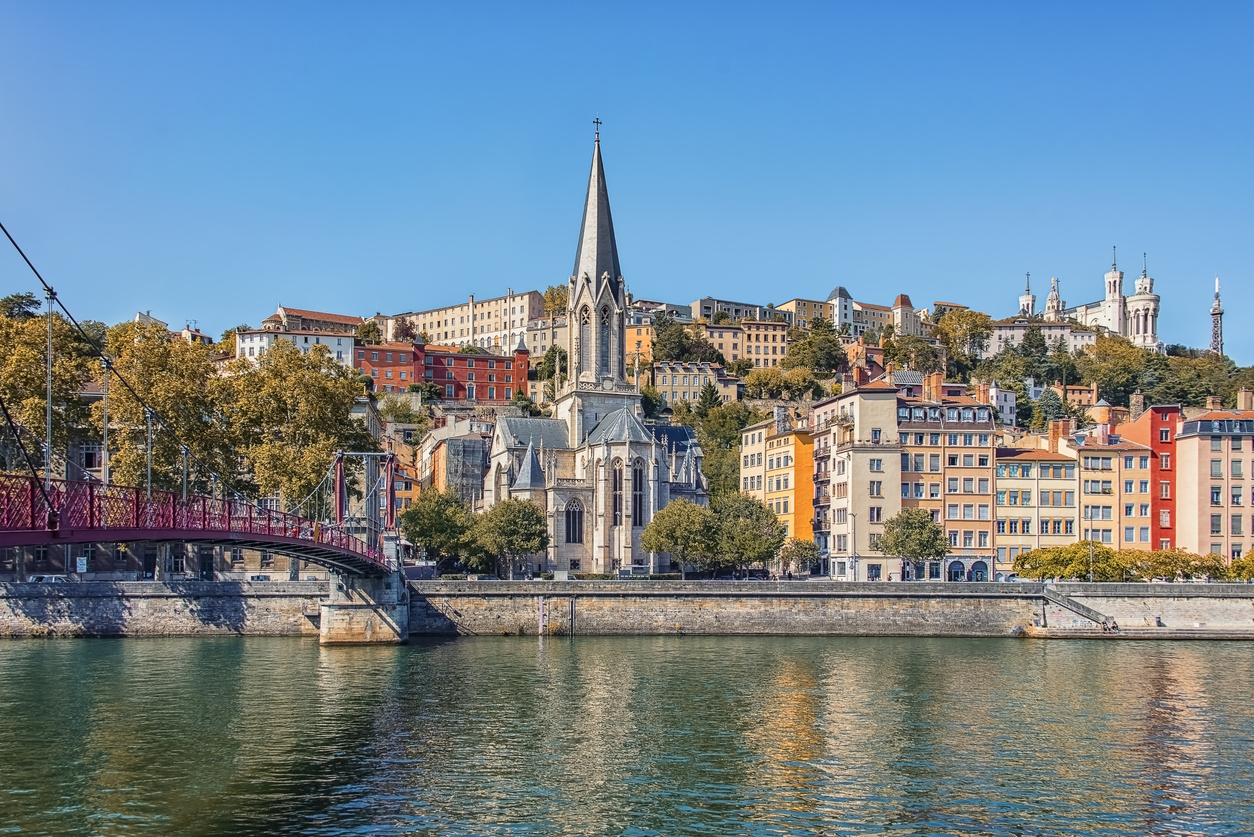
{"points": [[178, 608], [677, 607], [1176, 607]]}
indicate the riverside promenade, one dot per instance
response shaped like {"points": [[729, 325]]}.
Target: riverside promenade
{"points": [[639, 607]]}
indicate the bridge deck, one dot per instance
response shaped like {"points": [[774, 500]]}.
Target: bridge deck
{"points": [[90, 512]]}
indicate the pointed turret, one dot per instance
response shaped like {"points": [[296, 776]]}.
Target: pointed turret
{"points": [[597, 252], [530, 476]]}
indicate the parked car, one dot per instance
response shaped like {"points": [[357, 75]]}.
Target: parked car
{"points": [[482, 577], [49, 579]]}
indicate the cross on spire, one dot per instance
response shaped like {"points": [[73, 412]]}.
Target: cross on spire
{"points": [[598, 123]]}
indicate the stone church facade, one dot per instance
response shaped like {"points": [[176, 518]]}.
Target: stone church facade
{"points": [[1134, 317], [596, 468]]}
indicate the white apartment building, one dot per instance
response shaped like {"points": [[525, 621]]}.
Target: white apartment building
{"points": [[253, 343]]}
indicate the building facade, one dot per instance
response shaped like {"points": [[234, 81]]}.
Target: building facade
{"points": [[496, 323]]}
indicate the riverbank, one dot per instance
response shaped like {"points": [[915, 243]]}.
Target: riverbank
{"points": [[646, 608]]}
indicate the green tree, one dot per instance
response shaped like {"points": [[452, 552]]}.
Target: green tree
{"points": [[740, 367], [523, 402], [915, 537], [748, 531], [684, 529], [817, 349], [651, 401], [720, 317], [555, 300], [1046, 409], [424, 337], [1115, 365], [553, 362], [1175, 563], [798, 555], [512, 530], [369, 333], [470, 349], [430, 391], [439, 522], [19, 306], [965, 336], [709, 399], [1242, 569], [800, 382], [1072, 561], [910, 351]]}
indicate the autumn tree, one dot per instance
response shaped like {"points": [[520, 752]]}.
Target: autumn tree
{"points": [[817, 349], [556, 298], [684, 529], [369, 333], [404, 331], [512, 529], [740, 367], [765, 382], [176, 379], [1115, 365], [23, 357], [288, 414], [227, 342]]}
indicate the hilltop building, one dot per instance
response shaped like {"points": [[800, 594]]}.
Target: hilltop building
{"points": [[1133, 317]]}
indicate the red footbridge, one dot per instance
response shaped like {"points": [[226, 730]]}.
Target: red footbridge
{"points": [[88, 512]]}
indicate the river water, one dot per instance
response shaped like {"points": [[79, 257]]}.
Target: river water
{"points": [[626, 736]]}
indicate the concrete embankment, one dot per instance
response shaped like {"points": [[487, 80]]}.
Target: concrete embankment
{"points": [[831, 608], [194, 608], [180, 608]]}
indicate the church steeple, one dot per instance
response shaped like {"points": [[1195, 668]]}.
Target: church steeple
{"points": [[597, 252]]}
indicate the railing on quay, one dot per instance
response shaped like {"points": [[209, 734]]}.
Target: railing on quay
{"points": [[92, 506]]}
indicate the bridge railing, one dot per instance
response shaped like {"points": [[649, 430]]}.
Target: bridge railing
{"points": [[89, 505]]}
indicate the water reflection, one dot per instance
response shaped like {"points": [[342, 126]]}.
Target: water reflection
{"points": [[626, 736]]}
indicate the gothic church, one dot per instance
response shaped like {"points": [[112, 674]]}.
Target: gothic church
{"points": [[596, 468]]}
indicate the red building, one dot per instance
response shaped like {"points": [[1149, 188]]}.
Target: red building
{"points": [[486, 378], [1156, 429], [391, 365]]}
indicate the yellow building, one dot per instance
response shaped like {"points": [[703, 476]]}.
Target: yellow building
{"points": [[1036, 504], [766, 342], [789, 479], [1115, 485], [803, 311], [727, 338]]}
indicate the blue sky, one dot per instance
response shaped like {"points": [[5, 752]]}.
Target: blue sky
{"points": [[209, 161]]}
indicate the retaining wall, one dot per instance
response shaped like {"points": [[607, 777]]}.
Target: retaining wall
{"points": [[187, 608], [1217, 607], [676, 607]]}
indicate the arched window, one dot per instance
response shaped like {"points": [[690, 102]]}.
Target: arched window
{"points": [[585, 340], [637, 494], [618, 493], [603, 350], [574, 522]]}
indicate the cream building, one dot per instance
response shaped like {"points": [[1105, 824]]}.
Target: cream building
{"points": [[1215, 490], [500, 322], [1133, 317], [1036, 504], [766, 342], [801, 312], [1115, 484], [753, 459], [683, 381]]}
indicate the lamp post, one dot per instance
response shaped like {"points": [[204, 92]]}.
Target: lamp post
{"points": [[148, 422], [48, 406], [853, 547]]}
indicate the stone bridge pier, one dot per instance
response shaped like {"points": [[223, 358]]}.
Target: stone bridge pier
{"points": [[365, 609]]}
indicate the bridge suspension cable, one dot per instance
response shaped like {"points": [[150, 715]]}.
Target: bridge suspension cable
{"points": [[161, 422], [43, 489]]}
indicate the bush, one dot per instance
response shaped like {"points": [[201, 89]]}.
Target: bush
{"points": [[665, 577], [452, 577], [594, 576]]}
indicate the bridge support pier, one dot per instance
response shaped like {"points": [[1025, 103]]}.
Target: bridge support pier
{"points": [[365, 610]]}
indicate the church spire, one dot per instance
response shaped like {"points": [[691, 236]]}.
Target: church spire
{"points": [[597, 252]]}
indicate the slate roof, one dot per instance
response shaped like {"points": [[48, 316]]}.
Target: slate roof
{"points": [[530, 475], [620, 426], [549, 433], [597, 252], [681, 436]]}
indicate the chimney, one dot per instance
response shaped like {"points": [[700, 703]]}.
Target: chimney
{"points": [[1245, 399], [1214, 402], [860, 376], [932, 386], [1093, 390], [1101, 433], [1055, 433], [847, 383], [1136, 405], [981, 393]]}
